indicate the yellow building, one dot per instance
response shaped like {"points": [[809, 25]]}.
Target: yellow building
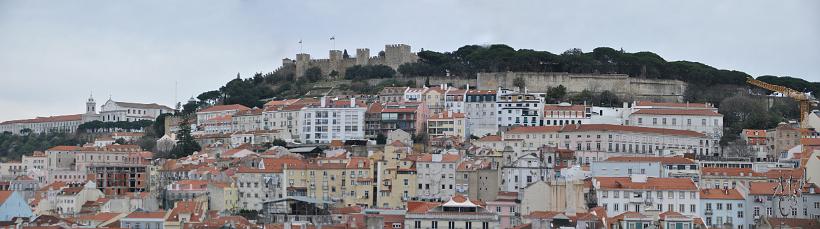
{"points": [[346, 181]]}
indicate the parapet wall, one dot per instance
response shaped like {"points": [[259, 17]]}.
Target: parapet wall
{"points": [[620, 84]]}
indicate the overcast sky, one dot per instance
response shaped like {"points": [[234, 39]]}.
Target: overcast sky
{"points": [[53, 54]]}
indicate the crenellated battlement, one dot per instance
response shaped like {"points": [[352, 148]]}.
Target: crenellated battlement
{"points": [[394, 56]]}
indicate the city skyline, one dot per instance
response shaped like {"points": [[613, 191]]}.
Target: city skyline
{"points": [[136, 52]]}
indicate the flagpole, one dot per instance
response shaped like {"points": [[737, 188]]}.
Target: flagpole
{"points": [[300, 45]]}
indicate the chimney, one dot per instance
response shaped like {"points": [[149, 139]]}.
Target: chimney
{"points": [[352, 102], [323, 101]]}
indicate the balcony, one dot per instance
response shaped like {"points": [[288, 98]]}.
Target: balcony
{"points": [[708, 211]]}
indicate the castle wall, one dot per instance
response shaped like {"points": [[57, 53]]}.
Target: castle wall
{"points": [[620, 84], [395, 56]]}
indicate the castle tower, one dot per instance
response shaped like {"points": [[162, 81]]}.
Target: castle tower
{"points": [[336, 58], [91, 105], [362, 56], [397, 54], [302, 64]]}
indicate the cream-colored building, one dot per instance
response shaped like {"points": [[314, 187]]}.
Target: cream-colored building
{"points": [[397, 174], [555, 195], [345, 181], [223, 196], [447, 124]]}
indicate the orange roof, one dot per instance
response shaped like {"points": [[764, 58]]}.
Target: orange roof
{"points": [[101, 216], [5, 195], [794, 223], [533, 129], [810, 141], [706, 171], [784, 173], [662, 160], [559, 107], [65, 148], [146, 215], [237, 107], [752, 133], [651, 183], [374, 108], [481, 92], [280, 102], [490, 138], [419, 207], [637, 129], [542, 214], [698, 112], [721, 194], [662, 104], [57, 118]]}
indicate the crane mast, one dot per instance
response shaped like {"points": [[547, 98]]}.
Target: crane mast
{"points": [[803, 100]]}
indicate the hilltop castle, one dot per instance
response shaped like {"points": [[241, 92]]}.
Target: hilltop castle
{"points": [[393, 56]]}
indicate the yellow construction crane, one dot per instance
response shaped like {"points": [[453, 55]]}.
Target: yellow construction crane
{"points": [[802, 99]]}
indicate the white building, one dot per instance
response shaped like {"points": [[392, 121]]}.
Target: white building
{"points": [[333, 120], [436, 176], [248, 120], [650, 166], [217, 112], [524, 171], [595, 142], [414, 94], [60, 123], [638, 193], [286, 118], [704, 121], [454, 100], [519, 109], [113, 111], [481, 112], [722, 206], [761, 202]]}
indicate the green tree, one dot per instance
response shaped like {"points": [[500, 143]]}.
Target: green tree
{"points": [[279, 142], [186, 144], [120, 141], [313, 74], [557, 93], [520, 83], [210, 97], [381, 139]]}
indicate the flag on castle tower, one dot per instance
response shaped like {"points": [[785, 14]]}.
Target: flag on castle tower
{"points": [[333, 38], [300, 41]]}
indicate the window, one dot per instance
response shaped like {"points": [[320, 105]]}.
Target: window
{"points": [[417, 224], [434, 224], [451, 225]]}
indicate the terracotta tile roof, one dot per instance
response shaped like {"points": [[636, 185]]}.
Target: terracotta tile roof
{"points": [[697, 112], [252, 112], [472, 165], [720, 194], [559, 107], [57, 118], [346, 210], [662, 160], [374, 108], [275, 165], [662, 104], [64, 148], [794, 223], [735, 172], [810, 141], [146, 215], [533, 129], [481, 92], [280, 102], [752, 133], [5, 195], [490, 138], [651, 183], [784, 173], [542, 214], [238, 107], [194, 208], [636, 129], [419, 207], [101, 216]]}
